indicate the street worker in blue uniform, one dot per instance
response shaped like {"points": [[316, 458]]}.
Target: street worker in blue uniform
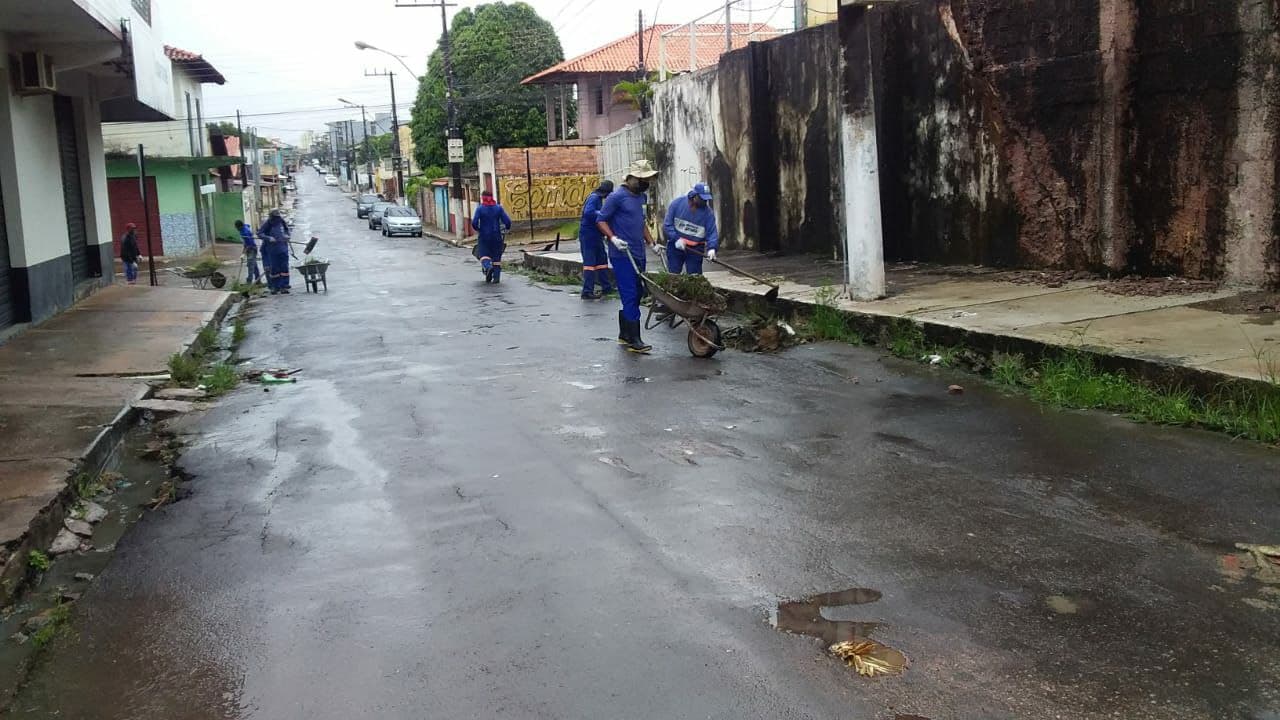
{"points": [[489, 222], [595, 259], [690, 230], [275, 252], [622, 220], [253, 274]]}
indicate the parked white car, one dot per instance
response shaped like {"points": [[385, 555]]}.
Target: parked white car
{"points": [[331, 180], [401, 221]]}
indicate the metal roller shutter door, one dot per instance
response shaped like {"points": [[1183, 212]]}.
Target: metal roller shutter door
{"points": [[69, 158]]}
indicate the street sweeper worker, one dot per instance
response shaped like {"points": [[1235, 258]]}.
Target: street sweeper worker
{"points": [[489, 220], [690, 230], [622, 220], [595, 258], [275, 252]]}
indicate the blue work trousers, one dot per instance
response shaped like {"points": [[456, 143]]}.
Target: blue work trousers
{"points": [[630, 287]]}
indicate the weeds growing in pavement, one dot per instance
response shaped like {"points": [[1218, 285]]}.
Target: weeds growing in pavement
{"points": [[827, 322], [59, 622], [86, 486], [1009, 370], [545, 278], [221, 379], [38, 561], [206, 340], [238, 331], [184, 369]]}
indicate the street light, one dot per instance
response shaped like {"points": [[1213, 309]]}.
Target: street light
{"points": [[362, 45]]}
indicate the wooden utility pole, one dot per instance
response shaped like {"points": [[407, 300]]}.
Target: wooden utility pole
{"points": [[396, 159]]}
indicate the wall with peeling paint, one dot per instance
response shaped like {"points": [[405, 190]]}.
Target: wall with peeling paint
{"points": [[763, 130], [1122, 135]]}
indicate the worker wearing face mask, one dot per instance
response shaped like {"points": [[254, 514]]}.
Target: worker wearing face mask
{"points": [[622, 221], [690, 229]]}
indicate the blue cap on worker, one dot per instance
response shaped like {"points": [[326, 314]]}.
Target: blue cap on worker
{"points": [[701, 191]]}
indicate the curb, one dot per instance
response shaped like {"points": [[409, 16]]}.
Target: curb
{"points": [[1155, 371], [94, 459], [556, 266]]}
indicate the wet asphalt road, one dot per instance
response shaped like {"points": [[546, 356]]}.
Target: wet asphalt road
{"points": [[474, 505]]}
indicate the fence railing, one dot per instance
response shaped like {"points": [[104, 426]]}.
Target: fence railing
{"points": [[715, 39], [619, 149]]}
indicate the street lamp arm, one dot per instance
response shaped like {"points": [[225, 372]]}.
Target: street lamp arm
{"points": [[360, 45]]}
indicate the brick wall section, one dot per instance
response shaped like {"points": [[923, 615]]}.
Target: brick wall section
{"points": [[552, 160]]}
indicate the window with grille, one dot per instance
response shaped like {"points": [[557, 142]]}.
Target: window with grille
{"points": [[143, 8], [597, 97]]}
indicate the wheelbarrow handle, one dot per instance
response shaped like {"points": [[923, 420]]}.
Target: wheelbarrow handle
{"points": [[772, 294]]}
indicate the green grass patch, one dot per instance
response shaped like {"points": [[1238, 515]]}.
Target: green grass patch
{"points": [[206, 340], [86, 486], [827, 322], [539, 276], [59, 623], [38, 561], [221, 379], [184, 369], [1074, 380], [238, 331]]}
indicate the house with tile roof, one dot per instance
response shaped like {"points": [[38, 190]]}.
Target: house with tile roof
{"points": [[180, 162], [587, 80]]}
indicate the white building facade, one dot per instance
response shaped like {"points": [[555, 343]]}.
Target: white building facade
{"points": [[66, 66]]}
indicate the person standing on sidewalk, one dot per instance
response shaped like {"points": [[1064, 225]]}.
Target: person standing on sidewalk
{"points": [[275, 251], [490, 221], [690, 229], [622, 220], [253, 275], [595, 259], [129, 253]]}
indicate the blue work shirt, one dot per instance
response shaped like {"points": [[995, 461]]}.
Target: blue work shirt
{"points": [[624, 211], [246, 236], [488, 222], [698, 226], [588, 231]]}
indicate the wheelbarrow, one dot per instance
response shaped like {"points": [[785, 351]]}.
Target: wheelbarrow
{"points": [[667, 309], [200, 279]]}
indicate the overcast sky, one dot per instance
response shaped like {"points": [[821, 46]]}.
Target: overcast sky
{"points": [[298, 56]]}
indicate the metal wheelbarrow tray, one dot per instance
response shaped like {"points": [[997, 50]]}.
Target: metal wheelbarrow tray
{"points": [[667, 309]]}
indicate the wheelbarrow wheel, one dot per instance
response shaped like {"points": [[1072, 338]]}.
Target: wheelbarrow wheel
{"points": [[218, 280], [699, 347]]}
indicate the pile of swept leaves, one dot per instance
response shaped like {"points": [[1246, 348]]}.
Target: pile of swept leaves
{"points": [[762, 334], [694, 288]]}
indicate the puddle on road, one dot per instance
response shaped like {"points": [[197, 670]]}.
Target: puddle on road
{"points": [[820, 617]]}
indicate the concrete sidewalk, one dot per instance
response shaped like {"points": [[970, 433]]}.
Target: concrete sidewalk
{"points": [[1163, 322], [65, 389]]}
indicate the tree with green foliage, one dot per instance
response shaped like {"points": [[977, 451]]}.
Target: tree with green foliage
{"points": [[379, 147], [495, 46], [225, 129]]}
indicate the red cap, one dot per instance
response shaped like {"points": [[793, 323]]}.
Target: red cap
{"points": [[131, 226]]}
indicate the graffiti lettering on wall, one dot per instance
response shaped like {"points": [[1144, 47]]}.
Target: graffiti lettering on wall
{"points": [[552, 197]]}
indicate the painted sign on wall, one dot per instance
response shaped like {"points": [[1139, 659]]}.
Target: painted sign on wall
{"points": [[552, 197]]}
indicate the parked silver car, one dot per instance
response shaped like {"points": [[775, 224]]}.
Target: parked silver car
{"points": [[401, 221], [375, 213]]}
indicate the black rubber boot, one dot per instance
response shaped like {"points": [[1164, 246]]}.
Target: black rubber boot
{"points": [[624, 337], [636, 345]]}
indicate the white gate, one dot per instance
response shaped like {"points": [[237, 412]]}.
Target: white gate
{"points": [[621, 148]]}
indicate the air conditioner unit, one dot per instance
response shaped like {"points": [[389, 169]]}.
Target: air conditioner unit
{"points": [[33, 73]]}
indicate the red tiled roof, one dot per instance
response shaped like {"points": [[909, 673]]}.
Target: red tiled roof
{"points": [[622, 55], [195, 65]]}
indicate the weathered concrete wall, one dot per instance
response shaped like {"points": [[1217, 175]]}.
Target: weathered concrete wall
{"points": [[1125, 135], [762, 129]]}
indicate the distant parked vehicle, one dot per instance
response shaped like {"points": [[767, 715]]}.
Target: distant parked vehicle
{"points": [[375, 213], [401, 221], [364, 204], [331, 180]]}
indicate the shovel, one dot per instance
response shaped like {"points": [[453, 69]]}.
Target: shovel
{"points": [[771, 295]]}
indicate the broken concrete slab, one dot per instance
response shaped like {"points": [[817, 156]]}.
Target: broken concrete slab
{"points": [[93, 513], [79, 527], [180, 394], [65, 542], [166, 407]]}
